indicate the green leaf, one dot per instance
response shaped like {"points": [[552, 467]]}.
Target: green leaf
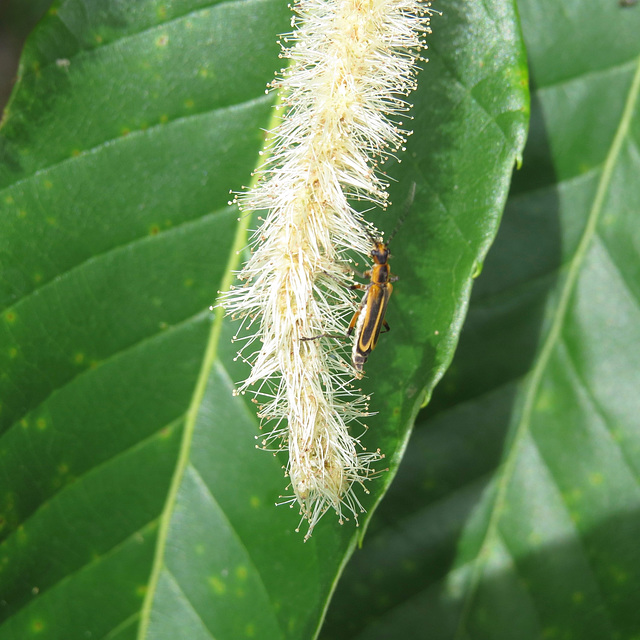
{"points": [[516, 513], [133, 501]]}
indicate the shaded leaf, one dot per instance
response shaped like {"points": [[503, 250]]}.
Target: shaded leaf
{"points": [[516, 511]]}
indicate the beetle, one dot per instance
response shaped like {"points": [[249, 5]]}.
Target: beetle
{"points": [[369, 319]]}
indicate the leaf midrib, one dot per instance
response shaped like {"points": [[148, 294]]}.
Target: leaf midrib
{"points": [[189, 428], [522, 427]]}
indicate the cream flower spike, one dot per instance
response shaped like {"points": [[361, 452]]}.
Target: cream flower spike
{"points": [[352, 64]]}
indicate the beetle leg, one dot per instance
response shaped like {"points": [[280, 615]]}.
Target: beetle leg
{"points": [[354, 321], [323, 335]]}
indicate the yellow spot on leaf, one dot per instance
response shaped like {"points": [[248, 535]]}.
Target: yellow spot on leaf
{"points": [[162, 41], [617, 434], [596, 479], [48, 184], [218, 586], [250, 630], [37, 277], [41, 423], [22, 213], [545, 402], [577, 597], [428, 484], [37, 626], [254, 502], [619, 574], [164, 118], [241, 572], [78, 358], [13, 352], [10, 316], [141, 590], [534, 538], [165, 432], [573, 496], [189, 104], [408, 566]]}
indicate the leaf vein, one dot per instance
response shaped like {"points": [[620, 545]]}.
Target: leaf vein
{"points": [[239, 539], [598, 409], [192, 414], [94, 469], [129, 244], [187, 600], [95, 560], [110, 358], [127, 622], [131, 135], [134, 34], [549, 344]]}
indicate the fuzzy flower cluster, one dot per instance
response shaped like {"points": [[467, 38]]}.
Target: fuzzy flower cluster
{"points": [[352, 64]]}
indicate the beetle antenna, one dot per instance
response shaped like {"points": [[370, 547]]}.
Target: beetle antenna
{"points": [[374, 239], [407, 207]]}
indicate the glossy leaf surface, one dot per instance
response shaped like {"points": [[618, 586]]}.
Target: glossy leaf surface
{"points": [[516, 512], [134, 502]]}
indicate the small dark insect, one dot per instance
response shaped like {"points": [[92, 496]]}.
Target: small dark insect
{"points": [[627, 3]]}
